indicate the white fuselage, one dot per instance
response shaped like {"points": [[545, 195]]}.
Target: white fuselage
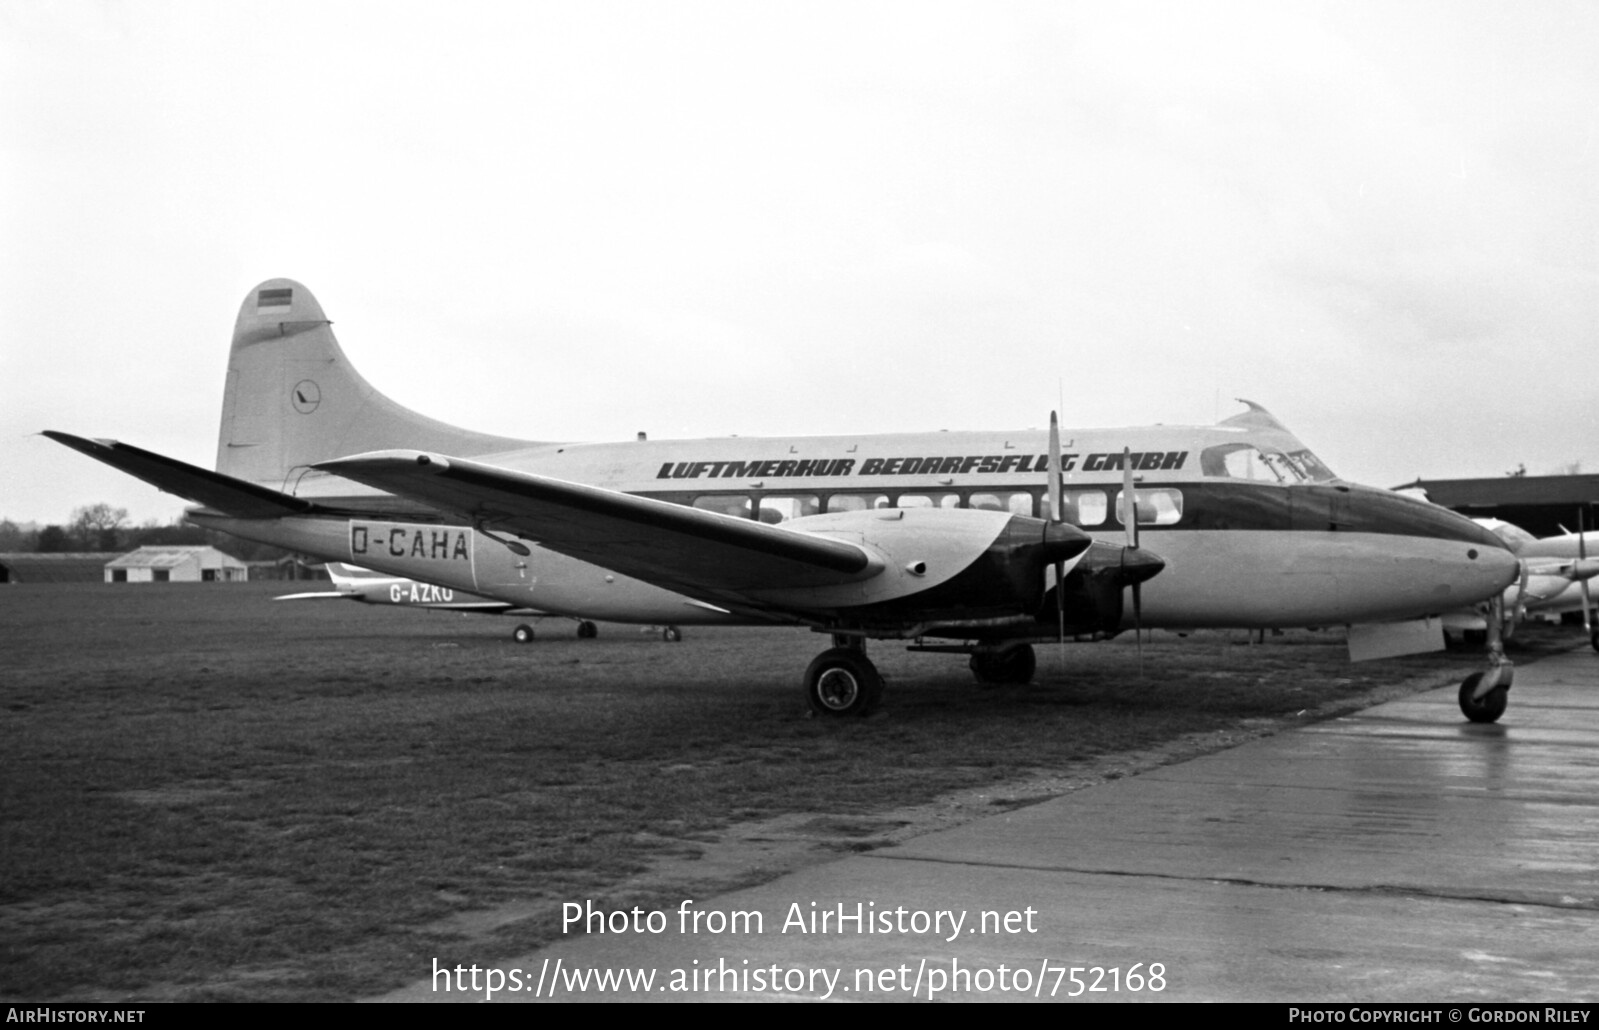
{"points": [[1254, 532]]}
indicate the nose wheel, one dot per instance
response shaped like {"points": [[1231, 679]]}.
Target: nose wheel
{"points": [[1480, 705]]}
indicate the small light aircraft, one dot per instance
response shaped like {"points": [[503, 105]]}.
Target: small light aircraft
{"points": [[976, 543], [353, 583]]}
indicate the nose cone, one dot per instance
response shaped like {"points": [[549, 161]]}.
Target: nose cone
{"points": [[1063, 542], [1419, 559], [1139, 564], [1493, 566]]}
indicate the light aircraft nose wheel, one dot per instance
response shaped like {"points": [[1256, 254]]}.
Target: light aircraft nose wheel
{"points": [[841, 681], [1487, 708], [671, 634], [522, 634], [586, 630]]}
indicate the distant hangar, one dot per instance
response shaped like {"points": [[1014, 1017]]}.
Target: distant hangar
{"points": [[54, 567], [1542, 505]]}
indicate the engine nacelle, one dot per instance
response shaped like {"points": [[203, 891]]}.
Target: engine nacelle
{"points": [[937, 564]]}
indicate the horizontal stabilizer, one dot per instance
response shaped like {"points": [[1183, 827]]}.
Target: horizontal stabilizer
{"points": [[678, 547], [230, 496]]}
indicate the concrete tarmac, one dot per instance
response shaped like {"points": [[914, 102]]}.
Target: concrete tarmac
{"points": [[1399, 854]]}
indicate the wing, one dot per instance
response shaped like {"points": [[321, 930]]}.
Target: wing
{"points": [[699, 553], [224, 493]]}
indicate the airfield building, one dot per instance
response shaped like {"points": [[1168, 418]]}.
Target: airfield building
{"points": [[53, 567], [172, 564]]}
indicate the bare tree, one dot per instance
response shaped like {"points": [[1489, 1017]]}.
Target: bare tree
{"points": [[95, 526]]}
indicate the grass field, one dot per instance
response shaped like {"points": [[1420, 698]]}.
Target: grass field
{"points": [[208, 795]]}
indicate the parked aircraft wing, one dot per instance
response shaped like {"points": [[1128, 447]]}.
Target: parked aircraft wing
{"points": [[224, 493], [668, 544]]}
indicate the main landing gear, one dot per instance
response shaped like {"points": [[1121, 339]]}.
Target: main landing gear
{"points": [[586, 630], [843, 681], [1009, 666], [522, 634]]}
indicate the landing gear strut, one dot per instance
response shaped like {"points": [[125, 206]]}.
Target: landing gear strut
{"points": [[1484, 695], [842, 681], [1012, 665]]}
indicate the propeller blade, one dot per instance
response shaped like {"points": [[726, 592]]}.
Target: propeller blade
{"points": [[1057, 514], [1129, 499], [1130, 523], [1055, 488], [1518, 609], [1582, 553]]}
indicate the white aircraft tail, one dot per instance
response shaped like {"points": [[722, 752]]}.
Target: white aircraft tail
{"points": [[293, 398]]}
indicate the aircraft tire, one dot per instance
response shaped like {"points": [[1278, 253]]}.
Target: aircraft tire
{"points": [[586, 630], [522, 634], [1485, 709], [1016, 665], [671, 634], [842, 682], [1594, 640]]}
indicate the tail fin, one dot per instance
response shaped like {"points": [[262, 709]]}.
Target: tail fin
{"points": [[293, 398]]}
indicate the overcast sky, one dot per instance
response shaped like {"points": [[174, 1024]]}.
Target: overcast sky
{"points": [[577, 220]]}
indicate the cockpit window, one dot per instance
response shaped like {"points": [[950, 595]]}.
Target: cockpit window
{"points": [[1263, 463], [1311, 466]]}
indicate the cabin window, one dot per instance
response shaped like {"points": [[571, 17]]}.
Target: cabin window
{"points": [[736, 505], [856, 502], [1082, 507], [777, 508], [928, 501], [1016, 502], [1159, 506]]}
